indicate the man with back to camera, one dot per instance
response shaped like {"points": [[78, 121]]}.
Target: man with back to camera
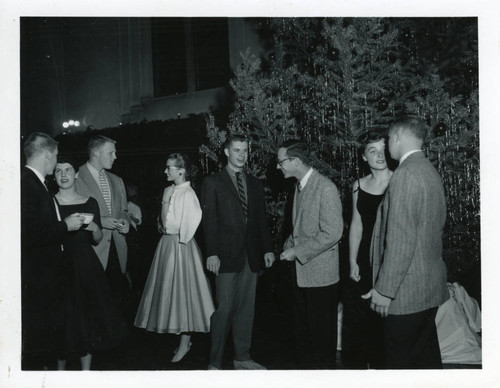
{"points": [[409, 274], [42, 235], [237, 238], [94, 180], [313, 246]]}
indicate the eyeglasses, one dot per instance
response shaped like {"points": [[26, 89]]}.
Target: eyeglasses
{"points": [[280, 162], [173, 167]]}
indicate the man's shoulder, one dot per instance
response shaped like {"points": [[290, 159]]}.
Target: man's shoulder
{"points": [[321, 180], [26, 173], [214, 177], [416, 164], [252, 179], [113, 175], [83, 171], [29, 179]]}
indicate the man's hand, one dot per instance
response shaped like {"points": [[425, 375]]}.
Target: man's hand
{"points": [[288, 255], [269, 259], [74, 221], [109, 222], [368, 295], [213, 264], [124, 226], [380, 304]]}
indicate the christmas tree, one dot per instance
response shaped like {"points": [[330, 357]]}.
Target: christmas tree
{"points": [[327, 80]]}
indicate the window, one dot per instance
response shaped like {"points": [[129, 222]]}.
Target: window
{"points": [[211, 52], [169, 56], [189, 54]]}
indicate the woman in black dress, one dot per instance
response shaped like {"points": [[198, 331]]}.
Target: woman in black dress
{"points": [[91, 318], [367, 194]]}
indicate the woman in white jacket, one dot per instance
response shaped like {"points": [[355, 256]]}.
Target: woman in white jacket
{"points": [[177, 297]]}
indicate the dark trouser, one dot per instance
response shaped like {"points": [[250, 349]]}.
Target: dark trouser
{"points": [[411, 341], [362, 331], [316, 322], [235, 297], [116, 280]]}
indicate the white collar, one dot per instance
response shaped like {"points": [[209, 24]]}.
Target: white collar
{"points": [[408, 154], [37, 173], [303, 181], [182, 185], [92, 169]]}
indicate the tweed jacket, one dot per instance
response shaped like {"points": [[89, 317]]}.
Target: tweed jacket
{"points": [[227, 233], [87, 186], [317, 229], [407, 239]]}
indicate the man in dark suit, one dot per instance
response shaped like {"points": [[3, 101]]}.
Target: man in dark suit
{"points": [[313, 247], [408, 269], [42, 235], [94, 180], [237, 238]]}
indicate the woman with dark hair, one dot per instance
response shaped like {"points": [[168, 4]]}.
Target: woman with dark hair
{"points": [[91, 319], [177, 297], [367, 194]]}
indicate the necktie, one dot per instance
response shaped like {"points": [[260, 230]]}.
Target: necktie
{"points": [[241, 192], [296, 200], [103, 182]]}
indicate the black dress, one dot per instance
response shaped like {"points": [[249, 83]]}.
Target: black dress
{"points": [[92, 319], [367, 206], [362, 328]]}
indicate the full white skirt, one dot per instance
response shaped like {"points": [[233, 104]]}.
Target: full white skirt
{"points": [[177, 296]]}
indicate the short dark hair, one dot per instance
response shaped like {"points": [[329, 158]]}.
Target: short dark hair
{"points": [[368, 137], [234, 136], [411, 123], [97, 142], [297, 149], [185, 162], [68, 160], [38, 142]]}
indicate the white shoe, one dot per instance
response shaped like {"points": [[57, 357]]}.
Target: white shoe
{"points": [[179, 355]]}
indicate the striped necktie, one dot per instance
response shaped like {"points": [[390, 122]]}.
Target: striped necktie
{"points": [[103, 182], [241, 192]]}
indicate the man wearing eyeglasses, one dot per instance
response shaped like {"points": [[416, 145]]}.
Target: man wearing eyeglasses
{"points": [[238, 243], [313, 246]]}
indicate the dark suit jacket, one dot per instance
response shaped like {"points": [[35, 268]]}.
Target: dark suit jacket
{"points": [[407, 239], [41, 263], [227, 235]]}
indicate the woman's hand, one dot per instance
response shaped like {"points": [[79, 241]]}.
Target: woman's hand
{"points": [[96, 232], [354, 274], [92, 227]]}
